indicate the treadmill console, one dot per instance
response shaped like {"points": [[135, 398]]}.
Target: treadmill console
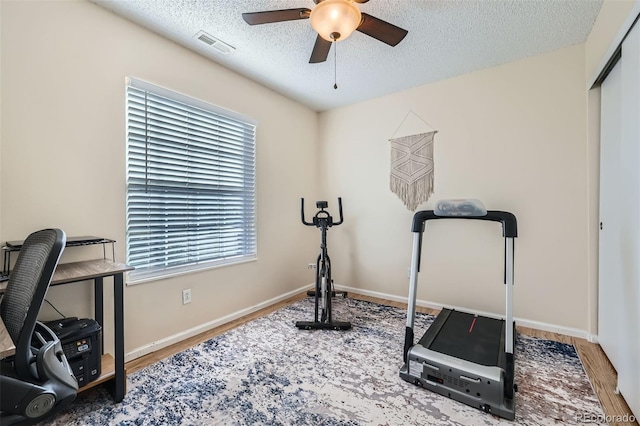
{"points": [[462, 207]]}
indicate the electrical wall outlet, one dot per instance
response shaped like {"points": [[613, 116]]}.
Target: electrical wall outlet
{"points": [[311, 266], [186, 296]]}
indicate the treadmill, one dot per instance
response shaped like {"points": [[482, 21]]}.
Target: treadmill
{"points": [[463, 356]]}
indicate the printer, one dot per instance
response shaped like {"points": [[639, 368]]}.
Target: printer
{"points": [[81, 341]]}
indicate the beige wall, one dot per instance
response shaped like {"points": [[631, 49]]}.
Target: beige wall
{"points": [[63, 158], [513, 136], [522, 137]]}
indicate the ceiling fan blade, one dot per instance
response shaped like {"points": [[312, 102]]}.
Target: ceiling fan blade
{"points": [[381, 30], [269, 16], [320, 50]]}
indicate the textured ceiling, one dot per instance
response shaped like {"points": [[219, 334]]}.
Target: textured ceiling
{"points": [[446, 38]]}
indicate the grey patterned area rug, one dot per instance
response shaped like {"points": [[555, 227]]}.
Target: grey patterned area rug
{"points": [[267, 372]]}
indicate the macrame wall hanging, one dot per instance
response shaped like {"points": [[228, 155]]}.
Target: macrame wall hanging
{"points": [[412, 171]]}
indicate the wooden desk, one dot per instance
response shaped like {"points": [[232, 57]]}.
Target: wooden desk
{"points": [[7, 348], [96, 270]]}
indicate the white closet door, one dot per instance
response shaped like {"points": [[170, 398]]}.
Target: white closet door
{"points": [[619, 277], [629, 304], [611, 194]]}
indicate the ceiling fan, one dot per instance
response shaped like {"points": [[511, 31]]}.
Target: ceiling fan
{"points": [[333, 20]]}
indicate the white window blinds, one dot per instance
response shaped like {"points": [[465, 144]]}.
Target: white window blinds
{"points": [[190, 183]]}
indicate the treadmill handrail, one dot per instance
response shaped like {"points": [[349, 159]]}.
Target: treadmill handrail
{"points": [[508, 220], [509, 231]]}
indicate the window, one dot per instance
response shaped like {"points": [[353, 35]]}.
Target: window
{"points": [[190, 183]]}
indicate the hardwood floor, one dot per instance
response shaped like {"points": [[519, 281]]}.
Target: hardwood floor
{"points": [[596, 365]]}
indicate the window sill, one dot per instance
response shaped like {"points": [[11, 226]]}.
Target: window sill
{"points": [[183, 270]]}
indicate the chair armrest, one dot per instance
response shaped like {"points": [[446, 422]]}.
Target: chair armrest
{"points": [[51, 362]]}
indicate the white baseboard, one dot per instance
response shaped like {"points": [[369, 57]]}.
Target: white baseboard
{"points": [[568, 331], [168, 341]]}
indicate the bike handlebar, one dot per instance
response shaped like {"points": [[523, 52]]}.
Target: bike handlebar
{"points": [[302, 213], [340, 210], [324, 212]]}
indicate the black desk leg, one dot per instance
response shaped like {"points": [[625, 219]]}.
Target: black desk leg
{"points": [[98, 301], [118, 302]]}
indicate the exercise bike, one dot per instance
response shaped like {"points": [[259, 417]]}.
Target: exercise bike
{"points": [[323, 290]]}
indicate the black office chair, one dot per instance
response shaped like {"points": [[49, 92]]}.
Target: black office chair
{"points": [[37, 381]]}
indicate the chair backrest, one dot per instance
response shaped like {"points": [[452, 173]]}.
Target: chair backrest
{"points": [[26, 289]]}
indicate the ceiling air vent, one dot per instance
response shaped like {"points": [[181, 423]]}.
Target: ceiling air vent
{"points": [[216, 43]]}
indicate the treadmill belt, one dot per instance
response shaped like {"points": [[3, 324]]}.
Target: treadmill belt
{"points": [[472, 338]]}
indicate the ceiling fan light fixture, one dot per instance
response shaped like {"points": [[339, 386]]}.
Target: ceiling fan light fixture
{"points": [[335, 20]]}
